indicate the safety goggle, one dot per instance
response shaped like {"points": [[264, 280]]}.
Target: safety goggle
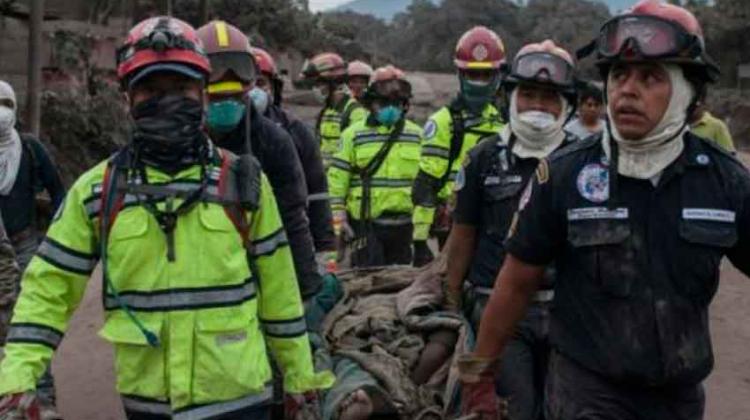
{"points": [[647, 37], [543, 67], [240, 64], [392, 89]]}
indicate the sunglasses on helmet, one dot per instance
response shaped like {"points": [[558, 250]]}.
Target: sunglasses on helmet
{"points": [[543, 67], [240, 64]]}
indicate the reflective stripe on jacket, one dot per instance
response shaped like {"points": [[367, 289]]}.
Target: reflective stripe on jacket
{"points": [[435, 155], [212, 317], [391, 183]]}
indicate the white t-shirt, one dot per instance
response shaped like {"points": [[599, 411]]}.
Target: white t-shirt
{"points": [[579, 130]]}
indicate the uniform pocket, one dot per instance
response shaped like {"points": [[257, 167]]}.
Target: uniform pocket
{"points": [[229, 359], [606, 252], [140, 367], [704, 243]]}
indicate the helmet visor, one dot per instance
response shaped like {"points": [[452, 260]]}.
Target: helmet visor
{"points": [[392, 89], [645, 36], [543, 67], [240, 64]]}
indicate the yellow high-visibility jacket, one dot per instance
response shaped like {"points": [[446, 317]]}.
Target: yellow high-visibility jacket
{"points": [[332, 123], [433, 165], [213, 318]]}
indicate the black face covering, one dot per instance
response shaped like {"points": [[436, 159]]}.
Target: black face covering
{"points": [[168, 133]]}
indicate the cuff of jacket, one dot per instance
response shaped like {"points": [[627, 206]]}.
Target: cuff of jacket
{"points": [[421, 232], [298, 384]]}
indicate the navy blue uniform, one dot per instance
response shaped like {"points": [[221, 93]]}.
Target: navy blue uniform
{"points": [[637, 266]]}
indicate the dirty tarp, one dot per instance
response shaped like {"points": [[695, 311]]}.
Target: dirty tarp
{"points": [[375, 335]]}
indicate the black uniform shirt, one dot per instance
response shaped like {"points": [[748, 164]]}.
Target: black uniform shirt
{"points": [[636, 271], [488, 188]]}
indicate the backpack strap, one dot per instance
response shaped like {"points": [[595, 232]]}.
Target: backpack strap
{"points": [[231, 200], [457, 140], [346, 115]]}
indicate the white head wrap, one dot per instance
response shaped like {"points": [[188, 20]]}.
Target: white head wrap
{"points": [[532, 141], [10, 141]]}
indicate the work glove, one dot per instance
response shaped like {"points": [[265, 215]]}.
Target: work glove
{"points": [[327, 262], [341, 226], [21, 406], [477, 376], [422, 254], [301, 406]]}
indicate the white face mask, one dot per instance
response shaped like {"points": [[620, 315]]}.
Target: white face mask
{"points": [[537, 133], [7, 119], [538, 120], [260, 99]]}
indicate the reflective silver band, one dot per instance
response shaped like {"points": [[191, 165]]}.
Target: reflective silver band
{"points": [[436, 151], [30, 333], [318, 197], [269, 244], [65, 258], [146, 407], [293, 328], [341, 164], [178, 299], [385, 183], [213, 410], [393, 221], [540, 296]]}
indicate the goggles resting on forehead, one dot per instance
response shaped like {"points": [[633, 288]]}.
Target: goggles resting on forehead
{"points": [[240, 64], [543, 67], [636, 36]]}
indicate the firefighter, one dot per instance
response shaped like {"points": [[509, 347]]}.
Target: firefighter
{"points": [[327, 72], [267, 98], [198, 277], [541, 87], [637, 220], [358, 75], [452, 131], [235, 124], [372, 173]]}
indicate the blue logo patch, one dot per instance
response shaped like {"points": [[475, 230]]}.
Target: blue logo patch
{"points": [[430, 130], [593, 183]]}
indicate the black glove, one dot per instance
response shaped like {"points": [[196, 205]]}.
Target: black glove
{"points": [[422, 254]]}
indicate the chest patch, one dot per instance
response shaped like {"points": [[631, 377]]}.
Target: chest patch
{"points": [[430, 129], [597, 213], [593, 183], [711, 215]]}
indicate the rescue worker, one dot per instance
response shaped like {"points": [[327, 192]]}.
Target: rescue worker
{"points": [[454, 130], [541, 87], [372, 173], [706, 125], [358, 75], [327, 72], [267, 98], [637, 220], [197, 272], [235, 124], [28, 170]]}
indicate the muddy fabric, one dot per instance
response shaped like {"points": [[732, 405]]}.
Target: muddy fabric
{"points": [[376, 333], [9, 279]]}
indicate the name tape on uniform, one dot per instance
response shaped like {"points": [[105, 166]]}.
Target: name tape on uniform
{"points": [[711, 215], [598, 213]]}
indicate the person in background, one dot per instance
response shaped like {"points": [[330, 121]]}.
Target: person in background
{"points": [[590, 107], [358, 75], [27, 169], [452, 131], [704, 124], [327, 73], [267, 98]]}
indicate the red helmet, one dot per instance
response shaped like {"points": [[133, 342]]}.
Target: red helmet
{"points": [[266, 63], [161, 43], [359, 68], [326, 66], [654, 31], [479, 49], [388, 82]]}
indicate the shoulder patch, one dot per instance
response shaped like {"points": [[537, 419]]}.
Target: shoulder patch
{"points": [[542, 172], [430, 130]]}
